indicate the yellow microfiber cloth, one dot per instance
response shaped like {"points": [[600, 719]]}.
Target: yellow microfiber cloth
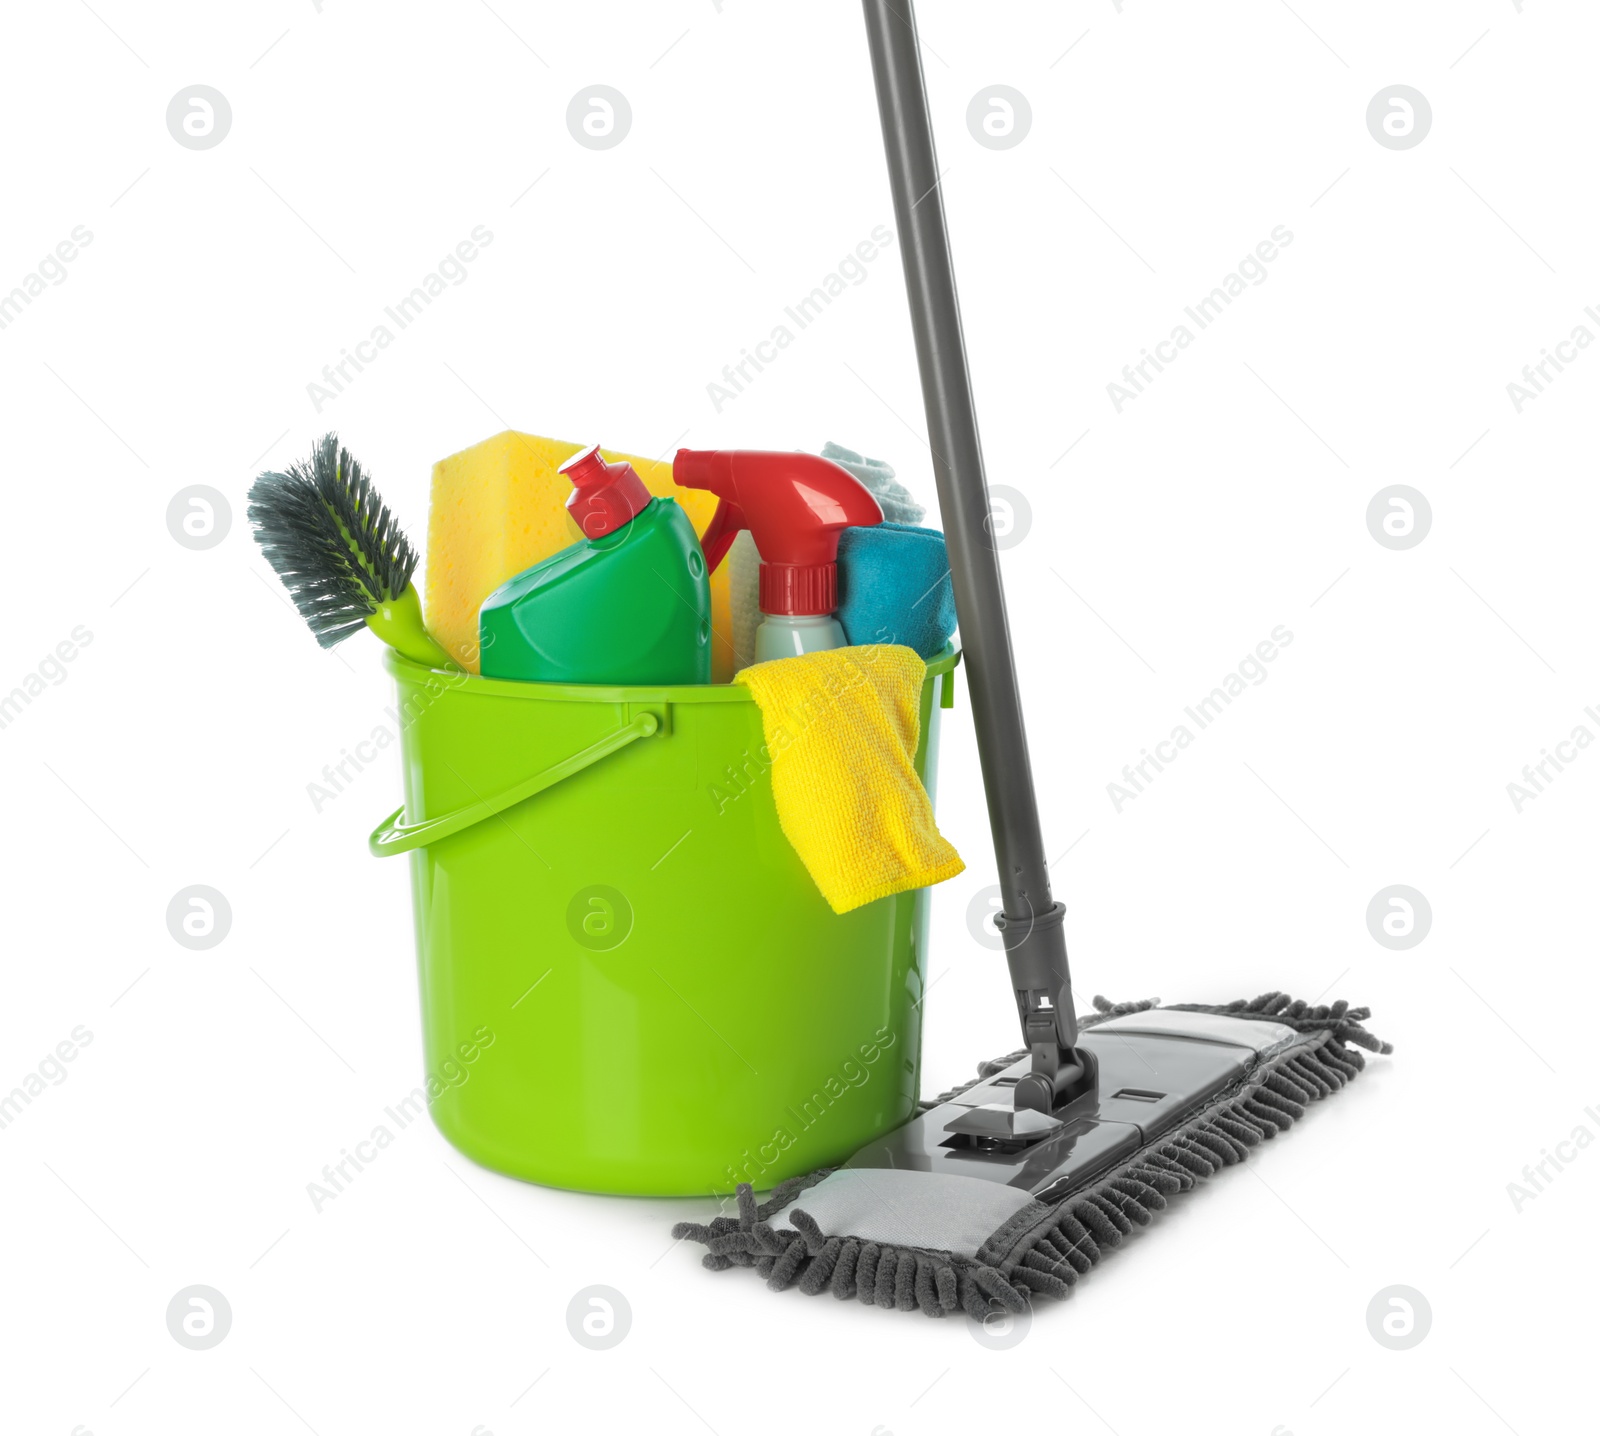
{"points": [[842, 728]]}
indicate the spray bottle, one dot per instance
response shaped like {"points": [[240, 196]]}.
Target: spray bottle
{"points": [[794, 506]]}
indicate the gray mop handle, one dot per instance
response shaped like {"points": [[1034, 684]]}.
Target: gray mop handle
{"points": [[1035, 942]]}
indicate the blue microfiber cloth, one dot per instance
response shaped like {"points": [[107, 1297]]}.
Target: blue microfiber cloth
{"points": [[894, 587]]}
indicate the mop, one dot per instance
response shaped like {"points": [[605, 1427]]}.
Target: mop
{"points": [[1016, 1185]]}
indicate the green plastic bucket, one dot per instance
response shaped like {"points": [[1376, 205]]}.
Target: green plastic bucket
{"points": [[630, 983]]}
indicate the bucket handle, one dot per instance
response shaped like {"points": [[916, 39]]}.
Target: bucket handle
{"points": [[393, 836]]}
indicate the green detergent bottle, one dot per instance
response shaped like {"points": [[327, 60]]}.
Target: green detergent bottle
{"points": [[629, 603]]}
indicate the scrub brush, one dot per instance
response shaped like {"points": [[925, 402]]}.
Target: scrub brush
{"points": [[341, 553]]}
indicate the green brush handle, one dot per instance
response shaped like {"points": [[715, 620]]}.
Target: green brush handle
{"points": [[399, 624]]}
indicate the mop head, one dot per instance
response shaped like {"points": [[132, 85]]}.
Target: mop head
{"points": [[922, 1240]]}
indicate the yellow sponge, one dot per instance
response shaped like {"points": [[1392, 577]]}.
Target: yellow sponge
{"points": [[500, 507]]}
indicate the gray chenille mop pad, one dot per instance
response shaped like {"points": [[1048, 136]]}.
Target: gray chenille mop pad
{"points": [[942, 1243], [877, 477]]}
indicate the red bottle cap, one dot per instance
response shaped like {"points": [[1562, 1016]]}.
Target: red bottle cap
{"points": [[604, 496], [794, 505]]}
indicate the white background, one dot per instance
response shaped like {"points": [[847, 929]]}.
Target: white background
{"points": [[1167, 140]]}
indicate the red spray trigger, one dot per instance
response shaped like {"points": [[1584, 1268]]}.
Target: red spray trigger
{"points": [[604, 496], [726, 521], [794, 505]]}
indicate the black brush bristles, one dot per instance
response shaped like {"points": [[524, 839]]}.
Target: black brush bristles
{"points": [[332, 540]]}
